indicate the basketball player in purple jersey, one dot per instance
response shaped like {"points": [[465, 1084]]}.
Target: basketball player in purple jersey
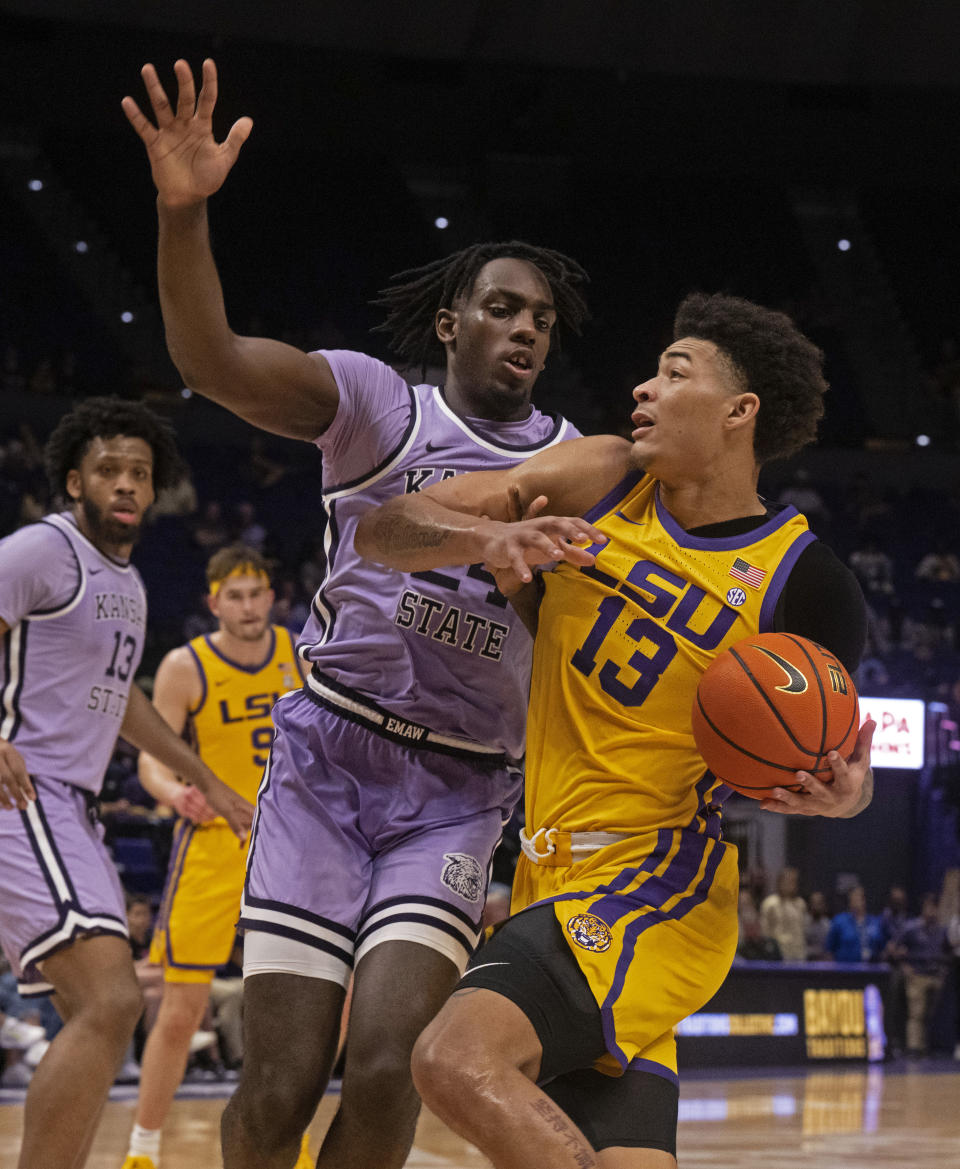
{"points": [[394, 769], [72, 616]]}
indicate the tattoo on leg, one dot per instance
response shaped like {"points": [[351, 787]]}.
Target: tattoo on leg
{"points": [[582, 1154]]}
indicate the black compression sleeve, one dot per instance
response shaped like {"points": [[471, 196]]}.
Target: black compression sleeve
{"points": [[822, 600]]}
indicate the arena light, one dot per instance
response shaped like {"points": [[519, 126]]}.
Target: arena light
{"points": [[81, 246], [35, 184], [442, 222], [844, 245], [126, 317], [922, 440], [186, 392]]}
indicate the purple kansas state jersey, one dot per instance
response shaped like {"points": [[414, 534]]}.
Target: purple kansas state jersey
{"points": [[442, 649], [76, 632]]}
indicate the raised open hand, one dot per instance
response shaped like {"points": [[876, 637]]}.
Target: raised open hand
{"points": [[186, 161]]}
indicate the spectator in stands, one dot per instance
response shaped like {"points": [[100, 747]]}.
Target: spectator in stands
{"points": [[873, 568], [896, 917], [953, 937], [866, 508], [290, 609], [802, 495], [941, 565], [817, 927], [925, 954], [210, 531], [248, 529], [149, 976], [783, 917], [754, 945], [872, 675], [896, 912], [855, 935]]}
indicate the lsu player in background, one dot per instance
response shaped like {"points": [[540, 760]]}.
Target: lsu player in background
{"points": [[218, 688], [557, 1049]]}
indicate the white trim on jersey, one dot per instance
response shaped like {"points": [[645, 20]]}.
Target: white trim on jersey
{"points": [[492, 446], [66, 526], [74, 922], [326, 499], [71, 604], [8, 699], [49, 861]]}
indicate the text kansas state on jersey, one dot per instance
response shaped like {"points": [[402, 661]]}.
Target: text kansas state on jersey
{"points": [[77, 620], [441, 648]]}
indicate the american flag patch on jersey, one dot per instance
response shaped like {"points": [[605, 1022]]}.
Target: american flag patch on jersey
{"points": [[748, 573]]}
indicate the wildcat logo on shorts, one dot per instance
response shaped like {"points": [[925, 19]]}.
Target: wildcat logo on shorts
{"points": [[463, 875], [589, 932]]}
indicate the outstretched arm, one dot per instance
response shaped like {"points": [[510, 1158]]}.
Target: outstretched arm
{"points": [[271, 385], [472, 518], [144, 728], [176, 689]]}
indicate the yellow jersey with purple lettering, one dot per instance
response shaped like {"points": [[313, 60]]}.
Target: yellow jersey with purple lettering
{"points": [[650, 914], [231, 727], [622, 647]]}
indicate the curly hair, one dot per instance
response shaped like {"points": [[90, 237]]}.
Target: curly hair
{"points": [[774, 360], [107, 418], [415, 296]]}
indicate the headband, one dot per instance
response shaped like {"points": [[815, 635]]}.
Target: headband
{"points": [[244, 569]]}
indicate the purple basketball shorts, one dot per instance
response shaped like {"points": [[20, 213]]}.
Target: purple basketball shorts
{"points": [[57, 881], [360, 840]]}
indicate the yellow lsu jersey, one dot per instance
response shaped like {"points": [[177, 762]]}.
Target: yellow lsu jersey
{"points": [[649, 911], [621, 648], [231, 726]]}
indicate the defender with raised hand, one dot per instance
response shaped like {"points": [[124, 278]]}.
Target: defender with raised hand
{"points": [[393, 771]]}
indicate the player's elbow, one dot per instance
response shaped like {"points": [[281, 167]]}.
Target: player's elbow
{"points": [[370, 540]]}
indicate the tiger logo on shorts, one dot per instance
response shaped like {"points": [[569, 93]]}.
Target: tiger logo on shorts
{"points": [[589, 932], [463, 875]]}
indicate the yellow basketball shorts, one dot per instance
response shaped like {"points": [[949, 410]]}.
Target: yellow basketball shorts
{"points": [[652, 923], [197, 922]]}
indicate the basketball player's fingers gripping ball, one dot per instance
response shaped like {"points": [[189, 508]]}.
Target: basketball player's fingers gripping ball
{"points": [[770, 706]]}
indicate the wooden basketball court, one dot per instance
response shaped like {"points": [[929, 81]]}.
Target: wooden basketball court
{"points": [[906, 1116]]}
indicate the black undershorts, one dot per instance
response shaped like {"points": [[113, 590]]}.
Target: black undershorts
{"points": [[528, 961]]}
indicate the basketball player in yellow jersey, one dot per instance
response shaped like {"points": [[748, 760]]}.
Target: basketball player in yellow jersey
{"points": [[557, 1050], [220, 689]]}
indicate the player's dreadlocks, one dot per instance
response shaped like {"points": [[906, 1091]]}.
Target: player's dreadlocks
{"points": [[106, 418], [415, 296]]}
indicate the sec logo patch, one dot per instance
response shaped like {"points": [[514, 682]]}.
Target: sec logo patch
{"points": [[736, 597], [589, 932]]}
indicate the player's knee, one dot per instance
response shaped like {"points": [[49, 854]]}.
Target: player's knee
{"points": [[446, 1074], [113, 1011], [273, 1105], [178, 1019], [380, 1081]]}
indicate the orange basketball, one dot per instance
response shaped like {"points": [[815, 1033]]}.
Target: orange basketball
{"points": [[770, 706]]}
